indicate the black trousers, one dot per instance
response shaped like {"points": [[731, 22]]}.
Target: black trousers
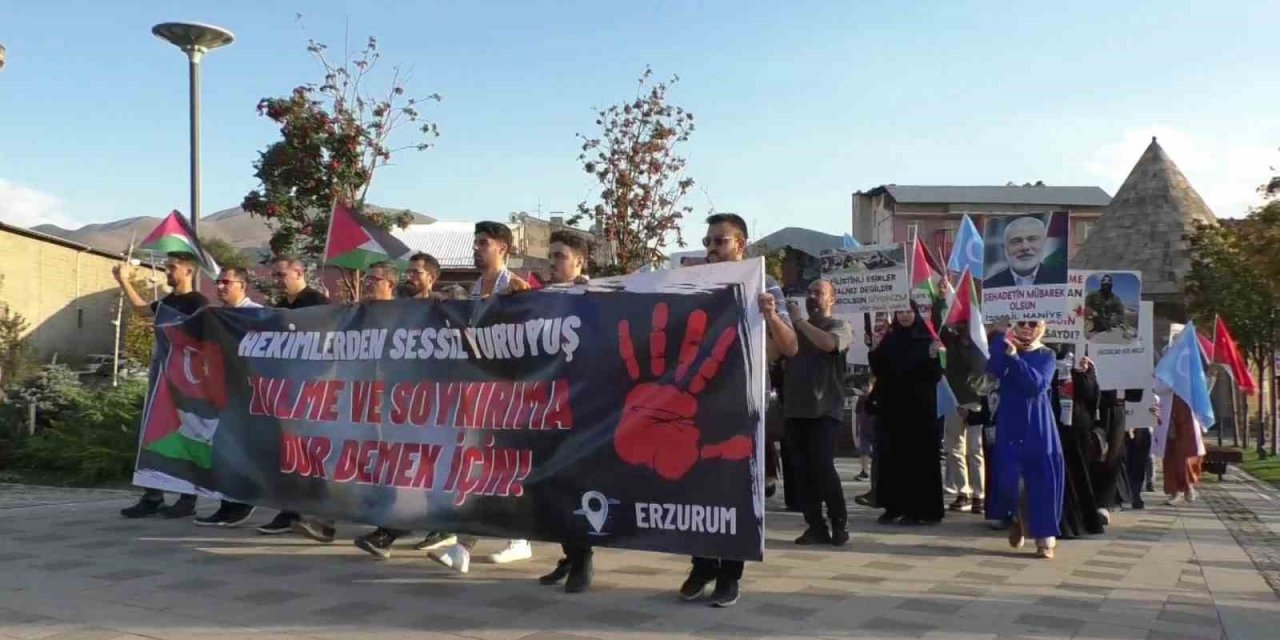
{"points": [[1136, 453], [812, 443], [576, 552], [709, 569], [156, 495]]}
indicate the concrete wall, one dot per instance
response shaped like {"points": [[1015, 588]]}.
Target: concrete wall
{"points": [[67, 296]]}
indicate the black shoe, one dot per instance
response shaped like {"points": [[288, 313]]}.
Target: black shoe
{"points": [[216, 519], [143, 509], [376, 543], [979, 506], [889, 518], [693, 588], [908, 521], [282, 523], [316, 530], [725, 595], [839, 535], [812, 536], [580, 576], [559, 573], [436, 540], [865, 500], [184, 507], [770, 488], [962, 504], [1139, 504], [238, 514]]}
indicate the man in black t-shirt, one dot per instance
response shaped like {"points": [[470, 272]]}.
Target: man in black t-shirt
{"points": [[179, 269], [290, 275]]}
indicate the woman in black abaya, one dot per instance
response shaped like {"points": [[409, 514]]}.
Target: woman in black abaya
{"points": [[1080, 515], [907, 371]]}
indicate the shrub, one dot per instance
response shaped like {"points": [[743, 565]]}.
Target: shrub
{"points": [[92, 440]]}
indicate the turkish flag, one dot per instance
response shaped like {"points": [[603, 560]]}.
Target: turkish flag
{"points": [[195, 368], [1226, 353]]}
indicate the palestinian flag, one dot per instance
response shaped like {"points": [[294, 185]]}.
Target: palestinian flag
{"points": [[186, 399], [356, 243], [964, 309], [1227, 353], [175, 235], [925, 289]]}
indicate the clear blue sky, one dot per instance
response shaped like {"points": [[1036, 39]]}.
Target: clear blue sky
{"points": [[798, 104]]}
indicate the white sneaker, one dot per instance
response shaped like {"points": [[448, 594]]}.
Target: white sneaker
{"points": [[516, 550], [1105, 515], [1192, 495], [455, 557], [1174, 500]]}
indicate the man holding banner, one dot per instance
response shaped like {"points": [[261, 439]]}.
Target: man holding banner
{"points": [[726, 241], [179, 271]]}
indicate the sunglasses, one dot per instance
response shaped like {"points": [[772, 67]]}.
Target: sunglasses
{"points": [[718, 241], [1027, 324]]}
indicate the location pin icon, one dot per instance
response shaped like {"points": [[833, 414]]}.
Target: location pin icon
{"points": [[596, 507]]}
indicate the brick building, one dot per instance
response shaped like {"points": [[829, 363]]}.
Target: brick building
{"points": [[65, 291]]}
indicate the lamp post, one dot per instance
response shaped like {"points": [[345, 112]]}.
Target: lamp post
{"points": [[194, 40]]}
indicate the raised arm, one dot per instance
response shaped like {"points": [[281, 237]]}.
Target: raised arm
{"points": [[1029, 376], [140, 306]]}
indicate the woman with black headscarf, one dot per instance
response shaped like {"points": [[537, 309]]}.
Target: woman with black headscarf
{"points": [[907, 371]]}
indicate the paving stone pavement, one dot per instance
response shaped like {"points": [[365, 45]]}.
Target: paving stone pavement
{"points": [[72, 569]]}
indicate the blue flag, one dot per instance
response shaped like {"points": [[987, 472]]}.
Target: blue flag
{"points": [[1183, 370], [947, 403], [850, 242], [967, 252]]}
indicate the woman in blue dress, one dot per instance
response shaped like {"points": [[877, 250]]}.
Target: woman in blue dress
{"points": [[1029, 465]]}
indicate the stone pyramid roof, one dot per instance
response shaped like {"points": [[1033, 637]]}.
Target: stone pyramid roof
{"points": [[1143, 228]]}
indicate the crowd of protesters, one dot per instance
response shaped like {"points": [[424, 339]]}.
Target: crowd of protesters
{"points": [[1033, 446]]}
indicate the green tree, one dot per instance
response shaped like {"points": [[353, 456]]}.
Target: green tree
{"points": [[335, 135], [635, 161], [15, 353], [225, 254]]}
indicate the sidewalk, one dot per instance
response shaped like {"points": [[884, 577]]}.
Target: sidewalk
{"points": [[72, 569]]}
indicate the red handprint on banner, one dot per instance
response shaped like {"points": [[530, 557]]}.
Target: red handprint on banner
{"points": [[657, 428]]}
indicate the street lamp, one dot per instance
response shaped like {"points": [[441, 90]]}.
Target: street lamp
{"points": [[1, 56], [194, 40]]}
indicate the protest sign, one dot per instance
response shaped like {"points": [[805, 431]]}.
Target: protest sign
{"points": [[1111, 307], [628, 412], [1129, 366], [1069, 329], [1026, 267], [868, 279]]}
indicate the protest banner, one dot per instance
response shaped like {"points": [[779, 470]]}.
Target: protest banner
{"points": [[868, 279], [1070, 328], [1025, 267], [1127, 366], [627, 413]]}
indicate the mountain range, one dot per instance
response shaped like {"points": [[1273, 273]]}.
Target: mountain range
{"points": [[245, 232]]}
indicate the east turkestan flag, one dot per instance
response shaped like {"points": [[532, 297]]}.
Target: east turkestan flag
{"points": [[1182, 371], [354, 242], [175, 235]]}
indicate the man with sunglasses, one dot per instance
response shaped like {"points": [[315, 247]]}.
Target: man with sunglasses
{"points": [[232, 288], [379, 285], [726, 241], [289, 274], [420, 278], [179, 271]]}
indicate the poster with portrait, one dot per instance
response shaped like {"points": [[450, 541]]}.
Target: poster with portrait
{"points": [[1111, 307], [1026, 267], [868, 279]]}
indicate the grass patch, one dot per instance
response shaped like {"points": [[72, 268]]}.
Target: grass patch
{"points": [[1265, 470]]}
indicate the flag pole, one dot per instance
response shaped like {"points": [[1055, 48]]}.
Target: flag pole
{"points": [[115, 357]]}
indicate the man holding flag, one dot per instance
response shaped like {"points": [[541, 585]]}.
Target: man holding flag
{"points": [[1185, 412], [179, 270], [965, 340]]}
